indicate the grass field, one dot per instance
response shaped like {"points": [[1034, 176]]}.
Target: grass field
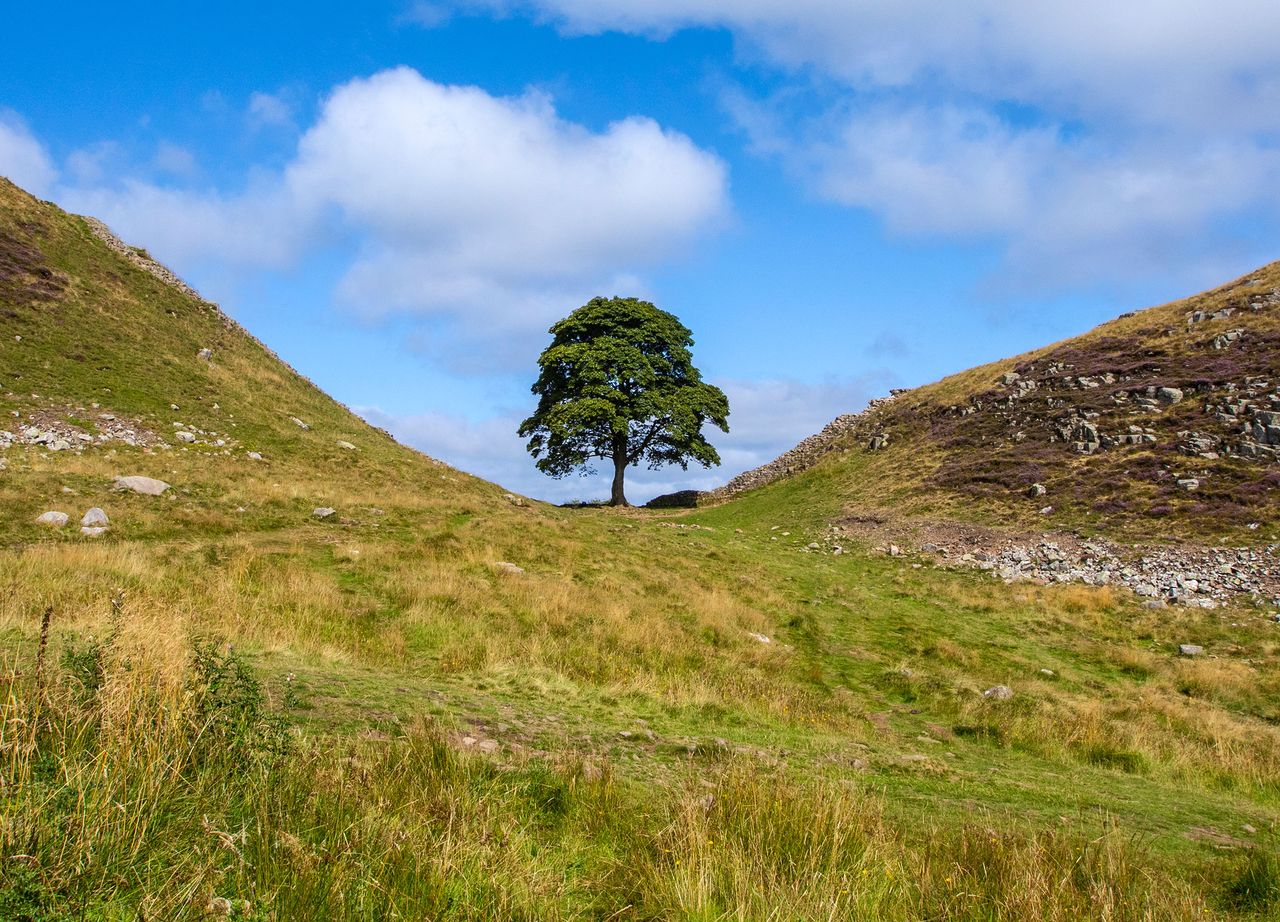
{"points": [[226, 707]]}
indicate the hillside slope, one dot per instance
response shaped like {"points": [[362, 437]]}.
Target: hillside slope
{"points": [[110, 366], [444, 702], [1163, 423]]}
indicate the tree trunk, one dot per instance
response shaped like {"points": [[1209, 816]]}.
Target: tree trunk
{"points": [[619, 498]]}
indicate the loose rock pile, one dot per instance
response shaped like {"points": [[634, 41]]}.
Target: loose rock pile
{"points": [[808, 452]]}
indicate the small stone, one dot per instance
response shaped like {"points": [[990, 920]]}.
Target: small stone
{"points": [[895, 551], [1154, 604], [93, 532], [346, 445], [1048, 672], [299, 423], [998, 693], [53, 519], [1190, 649], [1169, 394], [184, 436], [322, 512], [510, 569], [254, 456], [759, 638], [147, 486], [1249, 829], [1037, 489], [95, 518], [206, 354], [488, 746]]}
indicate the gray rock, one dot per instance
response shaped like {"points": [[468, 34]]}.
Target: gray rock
{"points": [[1190, 649], [94, 531], [1188, 484], [95, 518], [347, 445], [510, 569], [299, 423], [206, 354], [1169, 394], [184, 436], [148, 486], [52, 518], [322, 512], [1154, 604], [1037, 489], [998, 693], [254, 456]]}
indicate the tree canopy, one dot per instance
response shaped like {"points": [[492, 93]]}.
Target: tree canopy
{"points": [[618, 383]]}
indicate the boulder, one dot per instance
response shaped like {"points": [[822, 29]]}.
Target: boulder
{"points": [[1037, 489], [184, 436], [299, 423], [998, 693], [510, 569], [346, 445], [1169, 394], [206, 354], [147, 486], [1189, 649], [95, 518], [1188, 484], [322, 512], [52, 518]]}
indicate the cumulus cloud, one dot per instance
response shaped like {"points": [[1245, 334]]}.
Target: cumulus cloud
{"points": [[23, 159], [1090, 139], [1161, 61], [479, 207], [486, 214]]}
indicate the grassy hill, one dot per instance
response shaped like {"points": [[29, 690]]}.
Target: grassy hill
{"points": [[1160, 424], [442, 703]]}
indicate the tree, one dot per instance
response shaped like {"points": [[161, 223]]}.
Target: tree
{"points": [[618, 383]]}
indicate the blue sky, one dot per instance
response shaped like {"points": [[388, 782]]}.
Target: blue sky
{"points": [[837, 196]]}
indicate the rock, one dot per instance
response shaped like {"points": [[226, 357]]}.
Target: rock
{"points": [[1169, 395], [184, 436], [759, 638], [1154, 604], [299, 423], [998, 693], [1047, 672], [1188, 484], [488, 746], [322, 512], [254, 456], [513, 499], [510, 569], [148, 486], [206, 354], [1190, 649], [878, 443], [1037, 489], [895, 551], [1009, 377], [813, 546], [52, 518], [95, 518], [93, 532], [346, 445]]}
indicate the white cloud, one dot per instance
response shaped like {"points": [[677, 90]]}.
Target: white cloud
{"points": [[175, 160], [482, 207], [1094, 140], [23, 159], [489, 215], [1160, 61], [270, 110]]}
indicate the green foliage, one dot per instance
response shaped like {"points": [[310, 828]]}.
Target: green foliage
{"points": [[618, 383], [231, 703]]}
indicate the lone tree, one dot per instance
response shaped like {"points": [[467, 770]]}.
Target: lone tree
{"points": [[618, 383]]}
